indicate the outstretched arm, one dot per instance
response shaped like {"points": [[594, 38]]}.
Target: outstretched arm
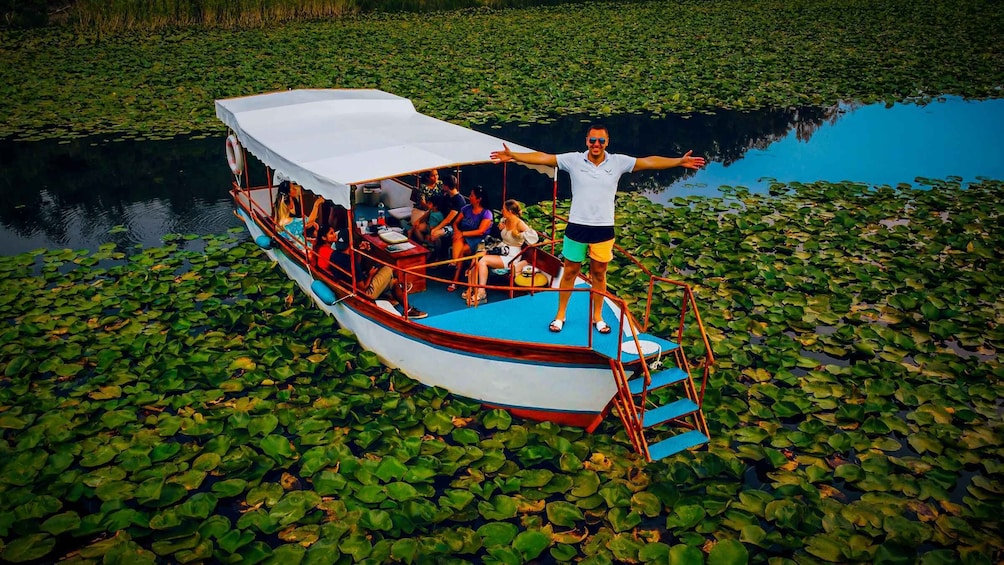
{"points": [[654, 162], [533, 158]]}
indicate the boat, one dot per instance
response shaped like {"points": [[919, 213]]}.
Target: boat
{"points": [[362, 150]]}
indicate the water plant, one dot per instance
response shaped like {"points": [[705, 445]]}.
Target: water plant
{"points": [[511, 65], [185, 403]]}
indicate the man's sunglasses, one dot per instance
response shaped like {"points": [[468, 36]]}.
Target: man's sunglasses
{"points": [[600, 140]]}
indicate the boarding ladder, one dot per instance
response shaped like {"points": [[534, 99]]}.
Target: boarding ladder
{"points": [[658, 364]]}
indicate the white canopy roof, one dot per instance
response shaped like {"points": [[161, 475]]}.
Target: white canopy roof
{"points": [[326, 140]]}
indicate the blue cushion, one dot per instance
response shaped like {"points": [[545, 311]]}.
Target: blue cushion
{"points": [[323, 292]]}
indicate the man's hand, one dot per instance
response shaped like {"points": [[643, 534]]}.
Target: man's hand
{"points": [[503, 156], [691, 162]]}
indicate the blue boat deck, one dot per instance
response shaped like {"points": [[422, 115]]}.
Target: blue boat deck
{"points": [[526, 318]]}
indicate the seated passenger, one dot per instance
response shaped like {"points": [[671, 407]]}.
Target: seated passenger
{"points": [[289, 213], [334, 258], [515, 232], [450, 205], [428, 189], [469, 230]]}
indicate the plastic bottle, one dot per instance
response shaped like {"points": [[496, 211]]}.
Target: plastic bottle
{"points": [[381, 214]]}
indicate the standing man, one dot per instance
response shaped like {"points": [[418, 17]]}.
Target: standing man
{"points": [[594, 175]]}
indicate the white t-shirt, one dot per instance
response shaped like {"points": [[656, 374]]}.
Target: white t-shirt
{"points": [[594, 186]]}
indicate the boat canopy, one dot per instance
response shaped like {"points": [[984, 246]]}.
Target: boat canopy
{"points": [[328, 139]]}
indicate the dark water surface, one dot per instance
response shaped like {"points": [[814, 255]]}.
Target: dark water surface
{"points": [[74, 194]]}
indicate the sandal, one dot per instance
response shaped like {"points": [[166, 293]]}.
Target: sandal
{"points": [[602, 327], [451, 288], [556, 325], [480, 298]]}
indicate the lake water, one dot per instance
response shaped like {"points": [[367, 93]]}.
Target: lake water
{"points": [[73, 194]]}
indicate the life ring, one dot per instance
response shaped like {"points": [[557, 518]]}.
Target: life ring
{"points": [[235, 155]]}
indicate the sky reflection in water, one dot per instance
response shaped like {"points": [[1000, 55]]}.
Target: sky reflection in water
{"points": [[871, 144], [57, 195]]}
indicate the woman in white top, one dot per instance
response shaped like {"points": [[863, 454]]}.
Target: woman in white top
{"points": [[515, 232]]}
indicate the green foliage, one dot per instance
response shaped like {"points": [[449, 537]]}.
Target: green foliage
{"points": [[165, 441], [506, 65]]}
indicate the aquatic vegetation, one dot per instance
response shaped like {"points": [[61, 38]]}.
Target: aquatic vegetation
{"points": [[522, 65], [185, 403]]}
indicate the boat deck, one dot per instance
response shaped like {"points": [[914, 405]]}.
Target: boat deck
{"points": [[526, 318]]}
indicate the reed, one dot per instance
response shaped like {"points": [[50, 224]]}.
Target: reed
{"points": [[112, 16]]}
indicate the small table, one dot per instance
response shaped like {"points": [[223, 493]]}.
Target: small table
{"points": [[402, 260]]}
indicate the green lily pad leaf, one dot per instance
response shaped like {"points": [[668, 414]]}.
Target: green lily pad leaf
{"points": [[268, 493], [656, 552], [563, 513], [60, 523], [169, 546], [291, 553], [685, 555], [163, 451], [372, 494], [190, 479], [501, 507], [114, 419], [390, 468], [115, 490], [327, 483], [685, 516], [207, 462], [531, 543], [214, 527], [234, 540], [586, 484], [28, 548], [826, 547], [229, 487], [258, 519], [357, 546], [728, 552], [376, 520], [752, 534], [105, 392], [456, 499], [405, 550], [568, 462], [465, 436], [165, 520], [646, 503], [294, 506], [103, 454], [535, 478], [905, 531], [37, 507], [496, 534], [262, 425], [623, 519], [277, 447], [505, 555], [200, 505], [402, 491], [616, 494], [921, 442], [497, 419]]}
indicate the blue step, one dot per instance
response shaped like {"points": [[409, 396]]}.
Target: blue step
{"points": [[629, 353], [676, 444], [663, 378], [656, 416]]}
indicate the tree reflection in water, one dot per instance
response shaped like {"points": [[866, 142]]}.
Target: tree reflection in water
{"points": [[72, 194]]}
